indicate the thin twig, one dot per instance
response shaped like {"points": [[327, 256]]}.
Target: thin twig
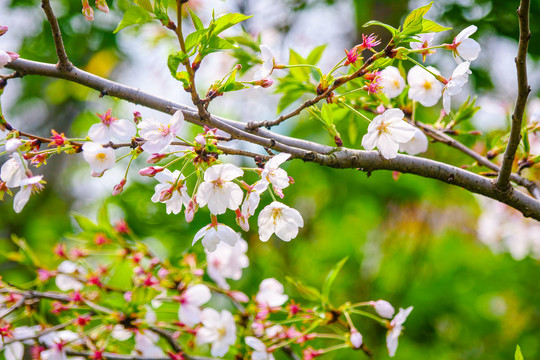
{"points": [[503, 181], [63, 62], [168, 337], [13, 307], [113, 356]]}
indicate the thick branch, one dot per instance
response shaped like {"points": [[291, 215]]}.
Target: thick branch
{"points": [[63, 61], [306, 150], [521, 101]]}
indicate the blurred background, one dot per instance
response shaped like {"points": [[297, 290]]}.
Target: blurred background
{"points": [[468, 266]]}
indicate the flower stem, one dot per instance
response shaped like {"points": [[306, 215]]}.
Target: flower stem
{"points": [[356, 112]]}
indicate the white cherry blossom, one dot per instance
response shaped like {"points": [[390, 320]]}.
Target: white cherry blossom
{"points": [[65, 280], [110, 127], [98, 157], [280, 219], [120, 333], [55, 342], [219, 329], [459, 78], [464, 48], [356, 338], [271, 293], [171, 190], [190, 302], [13, 144], [218, 191], [267, 64], [15, 349], [386, 132], [260, 352], [395, 329], [146, 345], [273, 174], [424, 41], [251, 202], [417, 145], [424, 87], [212, 235], [227, 262], [392, 82], [159, 135], [29, 186], [13, 171]]}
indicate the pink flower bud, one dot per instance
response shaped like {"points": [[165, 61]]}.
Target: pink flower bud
{"points": [[102, 6], [383, 308], [191, 209], [96, 174], [356, 339], [239, 296], [127, 296], [118, 188], [155, 158], [121, 227], [13, 56], [88, 12], [162, 273], [165, 195], [151, 171], [44, 275], [266, 82], [137, 117], [380, 109], [3, 30]]}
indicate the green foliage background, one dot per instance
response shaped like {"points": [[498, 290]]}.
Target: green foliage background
{"points": [[411, 241]]}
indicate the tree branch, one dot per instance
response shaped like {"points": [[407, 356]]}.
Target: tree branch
{"points": [[63, 62], [113, 356], [306, 150], [523, 91]]}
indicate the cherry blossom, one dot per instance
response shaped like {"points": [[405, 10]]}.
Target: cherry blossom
{"points": [[64, 280], [111, 127], [13, 171], [98, 157], [464, 48], [213, 234], [267, 64], [417, 145], [146, 345], [218, 191], [383, 308], [271, 293], [424, 41], [15, 349], [252, 200], [219, 329], [392, 82], [273, 174], [424, 87], [227, 262], [395, 329], [120, 333], [29, 186], [190, 302], [171, 190], [260, 352], [459, 78], [386, 132], [159, 135], [280, 219], [55, 342], [13, 144]]}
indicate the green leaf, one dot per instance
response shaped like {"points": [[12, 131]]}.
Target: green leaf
{"points": [[327, 114], [226, 21], [305, 291], [133, 16], [85, 223], [300, 73], [330, 280], [288, 99], [196, 20], [315, 55], [416, 16], [183, 76], [103, 217], [392, 29], [518, 355], [429, 26], [353, 130], [195, 38], [174, 60], [145, 4], [382, 63], [231, 84], [216, 43]]}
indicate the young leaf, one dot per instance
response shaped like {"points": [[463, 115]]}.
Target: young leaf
{"points": [[174, 60], [145, 4], [518, 355], [416, 16], [133, 16], [327, 114], [226, 21], [305, 291], [196, 20], [332, 275], [429, 26], [392, 29], [315, 55]]}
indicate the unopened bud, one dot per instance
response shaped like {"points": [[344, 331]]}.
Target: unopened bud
{"points": [[96, 174], [356, 339], [165, 195], [13, 144], [155, 158], [87, 11], [383, 308], [3, 30], [266, 82], [137, 117], [238, 296], [118, 188], [475, 132], [102, 6], [13, 56], [151, 171], [238, 67], [338, 141], [492, 154]]}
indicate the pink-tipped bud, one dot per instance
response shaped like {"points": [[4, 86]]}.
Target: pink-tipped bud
{"points": [[165, 195], [162, 273], [191, 209], [118, 188], [3, 29], [155, 158], [265, 83], [13, 56], [102, 6], [127, 296], [380, 109], [96, 174], [87, 11], [356, 339], [137, 117], [383, 308], [238, 67], [238, 296], [151, 171]]}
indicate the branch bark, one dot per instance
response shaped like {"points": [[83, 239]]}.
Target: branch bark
{"points": [[306, 150], [503, 180], [63, 62]]}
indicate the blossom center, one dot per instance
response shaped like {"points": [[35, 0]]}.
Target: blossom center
{"points": [[165, 130], [383, 128], [427, 85], [101, 157], [276, 215]]}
